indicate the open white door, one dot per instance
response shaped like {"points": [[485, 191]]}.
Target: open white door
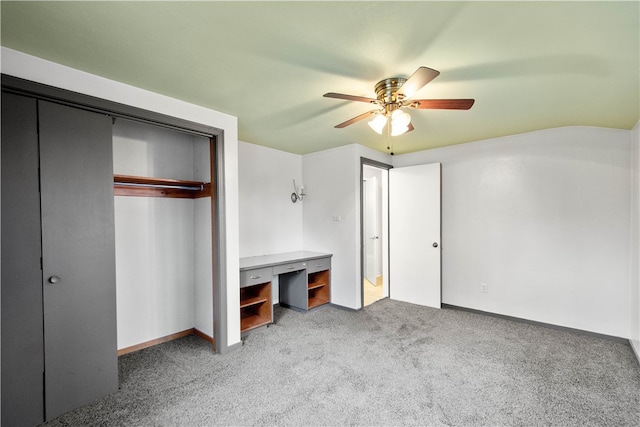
{"points": [[414, 234]]}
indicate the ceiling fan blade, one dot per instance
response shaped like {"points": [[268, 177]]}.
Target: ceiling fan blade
{"points": [[441, 104], [350, 97], [418, 79], [356, 119]]}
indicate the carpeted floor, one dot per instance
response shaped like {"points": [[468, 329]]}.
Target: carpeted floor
{"points": [[391, 363]]}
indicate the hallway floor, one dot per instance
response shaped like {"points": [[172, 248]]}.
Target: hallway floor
{"points": [[372, 293]]}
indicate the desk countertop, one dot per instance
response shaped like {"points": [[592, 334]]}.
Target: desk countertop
{"points": [[252, 262]]}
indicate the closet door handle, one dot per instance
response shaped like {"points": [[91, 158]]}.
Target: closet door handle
{"points": [[54, 279]]}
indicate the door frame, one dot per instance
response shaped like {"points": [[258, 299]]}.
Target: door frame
{"points": [[380, 165]]}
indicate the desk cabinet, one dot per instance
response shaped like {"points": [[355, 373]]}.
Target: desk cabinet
{"points": [[318, 288], [256, 308]]}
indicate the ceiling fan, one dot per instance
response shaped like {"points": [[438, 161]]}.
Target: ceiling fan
{"points": [[394, 94]]}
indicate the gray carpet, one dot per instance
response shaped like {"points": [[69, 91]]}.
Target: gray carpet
{"points": [[389, 364]]}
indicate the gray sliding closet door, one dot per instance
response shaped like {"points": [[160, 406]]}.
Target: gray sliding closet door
{"points": [[22, 352], [78, 252]]}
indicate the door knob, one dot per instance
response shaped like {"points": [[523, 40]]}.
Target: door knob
{"points": [[54, 279], [435, 244]]}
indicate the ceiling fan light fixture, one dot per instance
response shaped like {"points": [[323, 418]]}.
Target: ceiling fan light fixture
{"points": [[400, 118], [399, 122], [378, 123], [398, 130]]}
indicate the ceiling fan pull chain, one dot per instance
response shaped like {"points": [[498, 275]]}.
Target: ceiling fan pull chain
{"points": [[389, 140]]}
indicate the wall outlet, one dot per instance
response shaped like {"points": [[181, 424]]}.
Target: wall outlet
{"points": [[484, 288]]}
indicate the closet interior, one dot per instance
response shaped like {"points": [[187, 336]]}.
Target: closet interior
{"points": [[163, 234]]}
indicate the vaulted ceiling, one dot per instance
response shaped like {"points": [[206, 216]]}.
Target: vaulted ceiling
{"points": [[528, 65]]}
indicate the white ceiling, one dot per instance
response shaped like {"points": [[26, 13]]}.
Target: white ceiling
{"points": [[528, 65]]}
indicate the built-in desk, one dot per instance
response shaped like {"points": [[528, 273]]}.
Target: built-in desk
{"points": [[304, 283]]}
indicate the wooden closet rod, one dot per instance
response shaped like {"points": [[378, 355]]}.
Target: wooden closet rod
{"points": [[127, 185], [199, 187]]}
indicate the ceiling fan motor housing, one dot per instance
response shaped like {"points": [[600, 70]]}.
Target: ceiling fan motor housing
{"points": [[387, 90]]}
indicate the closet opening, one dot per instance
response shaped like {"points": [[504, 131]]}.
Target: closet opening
{"points": [[164, 221]]}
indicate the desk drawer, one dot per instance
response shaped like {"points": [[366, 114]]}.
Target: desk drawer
{"points": [[288, 268], [319, 264], [255, 276]]}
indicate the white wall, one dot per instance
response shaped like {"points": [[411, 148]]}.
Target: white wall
{"points": [[28, 67], [154, 268], [331, 215], [635, 242], [269, 221], [544, 219]]}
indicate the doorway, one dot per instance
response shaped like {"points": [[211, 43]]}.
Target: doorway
{"points": [[393, 236], [374, 231]]}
